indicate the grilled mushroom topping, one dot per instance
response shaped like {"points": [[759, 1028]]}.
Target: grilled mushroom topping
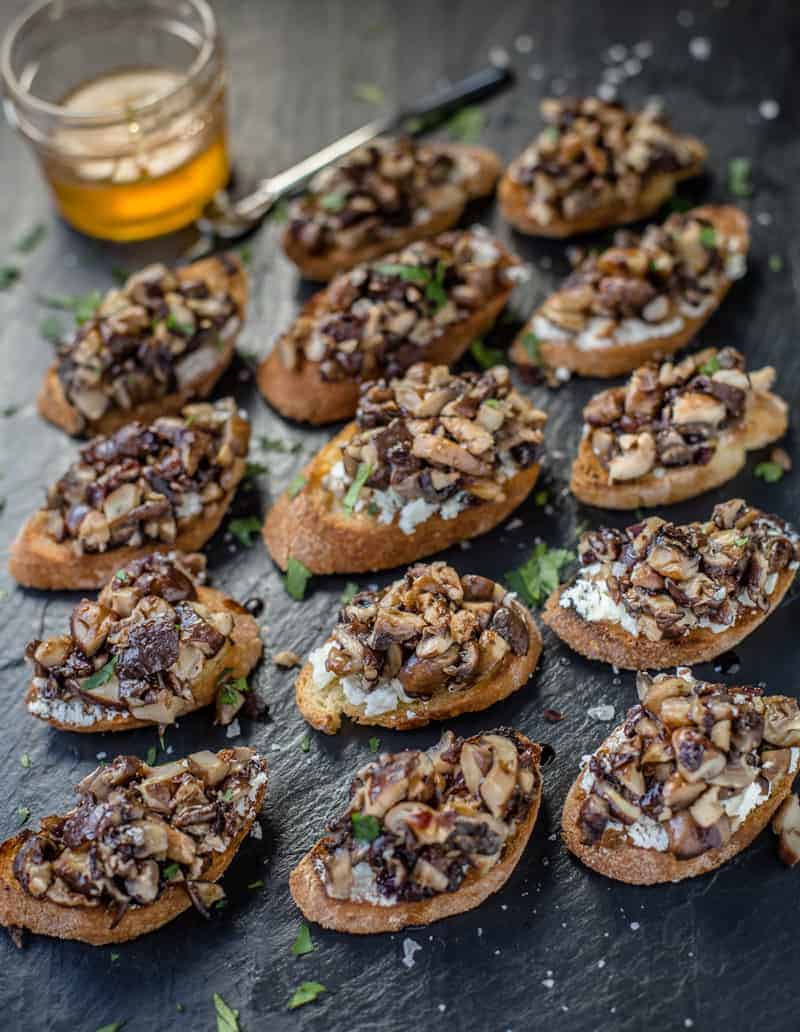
{"points": [[151, 337], [419, 823], [381, 318], [436, 441], [137, 830], [673, 414], [662, 580], [147, 483], [430, 631], [687, 767], [375, 191], [786, 826], [138, 649], [593, 154]]}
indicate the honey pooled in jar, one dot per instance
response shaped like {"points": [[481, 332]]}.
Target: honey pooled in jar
{"points": [[138, 178]]}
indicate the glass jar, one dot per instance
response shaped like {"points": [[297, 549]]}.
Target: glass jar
{"points": [[123, 102]]}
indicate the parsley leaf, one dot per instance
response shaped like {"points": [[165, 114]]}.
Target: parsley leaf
{"points": [[541, 497], [535, 579], [349, 593], [82, 306], [466, 124], [23, 815], [150, 758], [51, 328], [30, 241], [185, 329], [258, 884], [710, 367], [25, 761], [227, 1017], [363, 474], [305, 743], [115, 1026], [708, 236], [435, 291], [775, 263], [303, 944], [531, 344], [276, 444], [296, 486], [409, 273], [739, 177], [769, 472], [369, 92], [9, 274], [243, 528], [306, 992], [374, 744], [296, 579], [366, 828], [171, 871], [246, 254], [486, 357], [279, 212], [333, 201], [101, 676], [255, 469]]}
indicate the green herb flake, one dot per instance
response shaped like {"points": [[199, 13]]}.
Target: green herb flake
{"points": [[374, 744], [369, 92], [227, 795], [9, 410], [708, 236], [150, 756], [741, 542], [303, 944], [120, 275], [25, 761], [363, 473], [277, 445], [539, 576], [174, 324], [246, 254], [739, 183], [305, 743], [279, 212], [243, 528], [23, 815], [551, 133], [9, 274], [296, 579], [333, 201], [486, 357], [115, 1026], [775, 263], [769, 472], [255, 469], [492, 402], [541, 497], [435, 291], [531, 344], [296, 486], [171, 871], [366, 828], [101, 676], [710, 367], [227, 1017], [305, 993], [30, 241], [121, 576], [114, 958], [408, 273], [467, 124], [349, 593], [258, 884], [82, 306], [51, 328]]}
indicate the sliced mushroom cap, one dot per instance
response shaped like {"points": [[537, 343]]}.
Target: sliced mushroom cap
{"points": [[696, 758], [688, 840], [428, 876], [422, 676], [509, 622], [679, 794], [707, 809], [204, 895], [386, 786], [782, 722], [775, 763], [89, 625], [52, 652], [143, 885], [621, 808], [424, 823], [636, 459], [339, 871], [475, 762], [499, 783], [786, 824], [208, 766]]}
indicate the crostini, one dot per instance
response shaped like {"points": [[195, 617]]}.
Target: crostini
{"points": [[381, 197], [431, 459], [428, 647], [161, 339], [427, 302], [595, 165], [661, 594], [426, 835], [690, 778], [132, 492], [156, 644], [141, 846], [675, 430], [641, 299]]}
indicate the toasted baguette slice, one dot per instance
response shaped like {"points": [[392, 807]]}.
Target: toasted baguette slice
{"points": [[313, 527], [324, 707], [98, 926], [221, 276], [361, 918], [615, 855], [765, 420], [236, 658], [303, 394], [327, 264], [620, 356]]}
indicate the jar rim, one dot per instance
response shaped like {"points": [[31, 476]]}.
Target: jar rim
{"points": [[25, 98]]}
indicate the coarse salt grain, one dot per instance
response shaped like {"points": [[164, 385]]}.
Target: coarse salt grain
{"points": [[498, 56], [409, 949], [700, 48], [769, 109]]}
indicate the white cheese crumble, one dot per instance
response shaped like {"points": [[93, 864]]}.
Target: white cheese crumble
{"points": [[605, 711], [71, 711], [648, 834], [383, 698], [591, 600], [739, 806], [604, 333]]}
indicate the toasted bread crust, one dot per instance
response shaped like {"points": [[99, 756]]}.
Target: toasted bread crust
{"points": [[309, 894], [37, 561], [619, 358], [308, 528], [239, 658], [514, 199], [324, 708], [610, 643], [328, 264], [303, 395], [93, 925], [616, 858], [765, 421], [53, 405]]}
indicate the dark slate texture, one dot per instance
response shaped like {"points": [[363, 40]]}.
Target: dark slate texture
{"points": [[559, 947]]}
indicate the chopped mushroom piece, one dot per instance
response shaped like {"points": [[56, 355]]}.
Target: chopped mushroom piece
{"points": [[786, 825]]}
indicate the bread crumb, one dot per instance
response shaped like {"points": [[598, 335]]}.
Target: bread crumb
{"points": [[286, 659]]}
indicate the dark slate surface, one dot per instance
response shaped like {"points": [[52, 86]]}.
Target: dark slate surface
{"points": [[559, 947]]}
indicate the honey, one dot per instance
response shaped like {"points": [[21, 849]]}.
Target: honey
{"points": [[132, 177]]}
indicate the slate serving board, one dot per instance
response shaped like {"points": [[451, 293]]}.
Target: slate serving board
{"points": [[559, 947]]}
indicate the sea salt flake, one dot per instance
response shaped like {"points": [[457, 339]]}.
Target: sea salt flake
{"points": [[700, 48], [769, 109], [605, 91], [605, 711], [498, 56], [635, 926], [409, 949]]}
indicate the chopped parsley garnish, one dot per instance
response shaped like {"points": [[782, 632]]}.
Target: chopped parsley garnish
{"points": [[227, 795], [9, 410], [171, 871], [255, 469], [150, 757], [551, 132], [9, 274], [82, 306], [231, 692], [741, 542], [366, 828], [769, 472], [227, 1017], [119, 275], [349, 593], [369, 92], [296, 579], [115, 1026], [177, 326], [535, 579], [303, 944], [374, 744], [305, 743], [775, 263], [114, 958], [246, 254], [531, 344], [541, 497], [710, 367], [739, 177], [25, 761], [306, 992], [51, 328], [467, 124], [276, 444], [486, 357], [258, 884], [279, 212], [409, 273], [296, 486], [363, 473], [23, 815], [101, 676], [243, 528], [30, 241], [333, 201], [433, 282], [435, 291], [708, 236], [121, 576]]}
